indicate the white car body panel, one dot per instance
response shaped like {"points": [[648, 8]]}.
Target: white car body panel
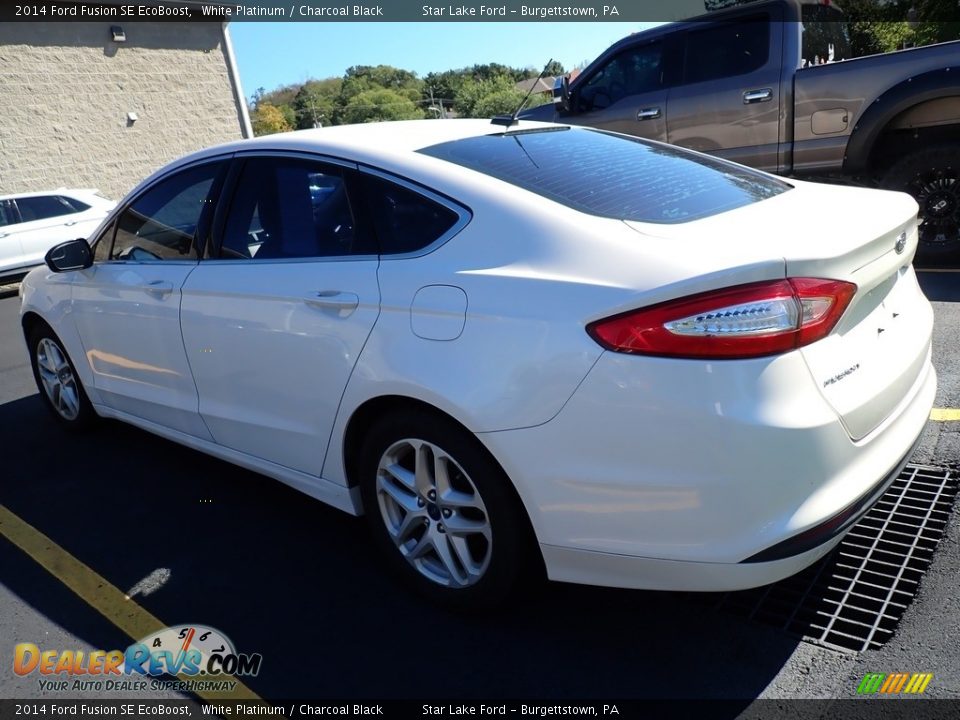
{"points": [[128, 317], [635, 471], [271, 359]]}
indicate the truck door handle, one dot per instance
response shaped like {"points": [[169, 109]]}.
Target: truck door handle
{"points": [[648, 113], [755, 96], [158, 288], [344, 302], [3, 235], [70, 222]]}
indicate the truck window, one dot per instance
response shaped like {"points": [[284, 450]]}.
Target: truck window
{"points": [[631, 72], [727, 49]]}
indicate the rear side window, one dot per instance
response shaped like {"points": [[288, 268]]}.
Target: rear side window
{"points": [[727, 50], [42, 207], [612, 176], [404, 221], [72, 205]]}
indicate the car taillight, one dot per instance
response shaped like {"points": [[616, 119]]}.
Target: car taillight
{"points": [[764, 318]]}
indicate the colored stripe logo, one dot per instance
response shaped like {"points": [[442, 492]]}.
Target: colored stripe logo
{"points": [[894, 683]]}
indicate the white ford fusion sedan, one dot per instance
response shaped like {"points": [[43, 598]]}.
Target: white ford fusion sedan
{"points": [[513, 348]]}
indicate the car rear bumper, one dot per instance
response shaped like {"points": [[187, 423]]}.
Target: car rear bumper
{"points": [[775, 563], [835, 526], [701, 476]]}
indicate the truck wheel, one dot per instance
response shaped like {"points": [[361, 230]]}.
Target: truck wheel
{"points": [[932, 177]]}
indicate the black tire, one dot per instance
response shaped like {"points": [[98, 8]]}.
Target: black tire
{"points": [[70, 406], [932, 177], [505, 561]]}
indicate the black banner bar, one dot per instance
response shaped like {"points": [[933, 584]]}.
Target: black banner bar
{"points": [[427, 10], [887, 708]]}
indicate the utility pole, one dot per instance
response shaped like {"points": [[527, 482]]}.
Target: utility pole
{"points": [[433, 105]]}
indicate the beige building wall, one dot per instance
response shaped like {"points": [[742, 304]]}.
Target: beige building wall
{"points": [[66, 90]]}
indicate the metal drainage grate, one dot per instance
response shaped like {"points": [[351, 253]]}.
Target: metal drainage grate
{"points": [[855, 597]]}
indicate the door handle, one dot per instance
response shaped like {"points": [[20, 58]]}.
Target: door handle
{"points": [[70, 222], [648, 113], [344, 302], [3, 235], [158, 288], [755, 96]]}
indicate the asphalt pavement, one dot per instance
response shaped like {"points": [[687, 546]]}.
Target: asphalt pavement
{"points": [[298, 582]]}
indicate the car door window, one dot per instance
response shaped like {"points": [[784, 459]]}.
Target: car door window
{"points": [[404, 220], [162, 223], [634, 71], [7, 214], [727, 50], [42, 207], [286, 208]]}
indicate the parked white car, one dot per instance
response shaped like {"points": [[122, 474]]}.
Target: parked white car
{"points": [[510, 347], [32, 223]]}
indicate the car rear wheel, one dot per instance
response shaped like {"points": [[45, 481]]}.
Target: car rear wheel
{"points": [[57, 380], [442, 512], [932, 177]]}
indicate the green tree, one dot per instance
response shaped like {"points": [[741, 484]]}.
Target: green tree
{"points": [[882, 27], [362, 78], [378, 104], [317, 102], [268, 119], [554, 69], [486, 98], [283, 95]]}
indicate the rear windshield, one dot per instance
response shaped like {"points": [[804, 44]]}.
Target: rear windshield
{"points": [[612, 176]]}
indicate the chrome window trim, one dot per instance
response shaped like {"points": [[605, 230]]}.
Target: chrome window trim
{"points": [[288, 261], [297, 154], [140, 263]]}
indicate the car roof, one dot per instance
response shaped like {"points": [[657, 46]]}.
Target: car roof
{"points": [[390, 146], [379, 139], [43, 193]]}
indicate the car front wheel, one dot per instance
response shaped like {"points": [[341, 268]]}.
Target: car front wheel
{"points": [[57, 380], [442, 511]]}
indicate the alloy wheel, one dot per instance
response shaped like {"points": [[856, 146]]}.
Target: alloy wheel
{"points": [[58, 379], [434, 514]]}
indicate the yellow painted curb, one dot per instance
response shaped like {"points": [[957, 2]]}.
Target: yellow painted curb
{"points": [[944, 414]]}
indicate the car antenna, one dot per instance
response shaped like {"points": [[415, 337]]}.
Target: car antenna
{"points": [[508, 120]]}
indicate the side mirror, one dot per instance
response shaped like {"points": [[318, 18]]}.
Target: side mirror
{"points": [[561, 93], [69, 255]]}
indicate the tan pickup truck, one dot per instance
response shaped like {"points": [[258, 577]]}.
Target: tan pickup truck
{"points": [[773, 85]]}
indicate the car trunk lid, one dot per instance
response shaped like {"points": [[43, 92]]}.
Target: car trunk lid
{"points": [[877, 351]]}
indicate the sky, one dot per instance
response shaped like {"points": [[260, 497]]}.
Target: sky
{"points": [[272, 54]]}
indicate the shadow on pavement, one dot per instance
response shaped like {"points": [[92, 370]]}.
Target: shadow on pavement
{"points": [[285, 576], [940, 286]]}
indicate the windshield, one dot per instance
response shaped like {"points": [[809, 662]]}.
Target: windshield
{"points": [[612, 176]]}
